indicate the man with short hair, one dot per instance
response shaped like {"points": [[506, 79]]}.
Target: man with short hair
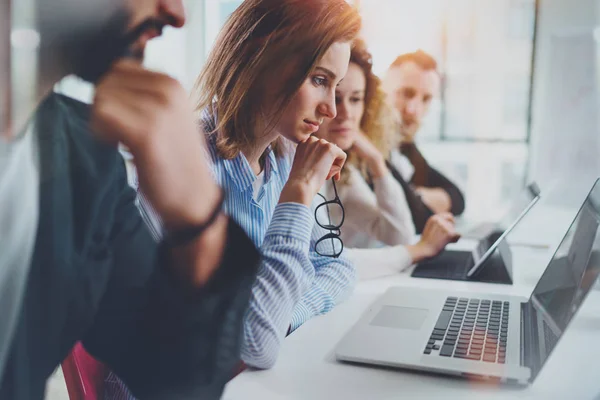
{"points": [[77, 262], [411, 82]]}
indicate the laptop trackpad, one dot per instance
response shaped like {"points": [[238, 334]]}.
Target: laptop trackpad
{"points": [[400, 317]]}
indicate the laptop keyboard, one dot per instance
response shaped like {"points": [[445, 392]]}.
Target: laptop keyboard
{"points": [[473, 329], [448, 265]]}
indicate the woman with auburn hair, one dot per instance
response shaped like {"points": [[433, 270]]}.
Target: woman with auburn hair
{"points": [[364, 128], [267, 86]]}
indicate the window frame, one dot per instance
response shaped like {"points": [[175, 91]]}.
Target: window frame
{"points": [[443, 136]]}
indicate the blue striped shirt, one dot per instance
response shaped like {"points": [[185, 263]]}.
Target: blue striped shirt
{"points": [[294, 283]]}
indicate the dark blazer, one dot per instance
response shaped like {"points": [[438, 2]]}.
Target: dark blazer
{"points": [[426, 176], [97, 276]]}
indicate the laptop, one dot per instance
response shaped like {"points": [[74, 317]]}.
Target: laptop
{"points": [[495, 337], [470, 265]]}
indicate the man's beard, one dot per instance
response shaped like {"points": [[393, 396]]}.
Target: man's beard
{"points": [[117, 45], [149, 24], [92, 62], [409, 128], [110, 45], [87, 50]]}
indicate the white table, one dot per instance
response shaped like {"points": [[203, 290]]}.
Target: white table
{"points": [[307, 369]]}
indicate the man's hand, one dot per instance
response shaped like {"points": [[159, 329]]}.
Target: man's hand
{"points": [[438, 232], [150, 114], [435, 198], [316, 161]]}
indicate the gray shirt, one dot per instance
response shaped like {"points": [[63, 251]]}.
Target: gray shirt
{"points": [[19, 197]]}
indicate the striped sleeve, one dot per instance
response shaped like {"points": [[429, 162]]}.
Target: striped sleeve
{"points": [[285, 275], [333, 282], [149, 215]]}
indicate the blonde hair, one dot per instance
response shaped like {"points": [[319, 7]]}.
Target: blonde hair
{"points": [[254, 47], [379, 121]]}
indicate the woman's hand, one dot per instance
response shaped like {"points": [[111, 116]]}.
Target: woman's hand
{"points": [[367, 151], [438, 232], [316, 161]]}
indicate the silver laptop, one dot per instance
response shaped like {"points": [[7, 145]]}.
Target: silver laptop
{"points": [[498, 337]]}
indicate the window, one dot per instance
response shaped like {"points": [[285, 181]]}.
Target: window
{"points": [[477, 131], [460, 101], [488, 69], [521, 13], [226, 7], [19, 65], [216, 13]]}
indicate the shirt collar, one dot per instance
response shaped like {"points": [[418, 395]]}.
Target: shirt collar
{"points": [[240, 171], [270, 163]]}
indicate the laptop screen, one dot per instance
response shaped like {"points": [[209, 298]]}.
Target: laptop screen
{"points": [[570, 275], [526, 196], [487, 246]]}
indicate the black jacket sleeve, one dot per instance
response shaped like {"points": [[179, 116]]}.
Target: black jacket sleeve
{"points": [[429, 177], [163, 340], [436, 179]]}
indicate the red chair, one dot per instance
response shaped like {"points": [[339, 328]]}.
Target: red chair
{"points": [[84, 375]]}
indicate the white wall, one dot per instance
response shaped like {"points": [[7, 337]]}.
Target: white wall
{"points": [[564, 35], [181, 52]]}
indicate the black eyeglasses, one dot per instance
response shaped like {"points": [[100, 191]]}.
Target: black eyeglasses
{"points": [[330, 245]]}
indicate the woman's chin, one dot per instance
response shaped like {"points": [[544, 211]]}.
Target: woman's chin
{"points": [[345, 144], [299, 137]]}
